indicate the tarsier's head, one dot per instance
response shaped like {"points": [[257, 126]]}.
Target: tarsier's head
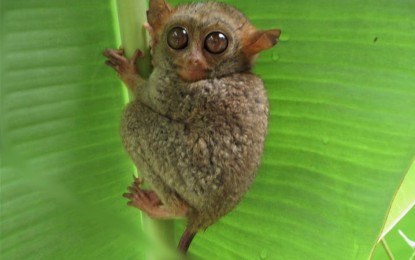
{"points": [[204, 40]]}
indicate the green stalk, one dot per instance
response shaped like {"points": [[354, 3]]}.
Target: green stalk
{"points": [[131, 17], [387, 250]]}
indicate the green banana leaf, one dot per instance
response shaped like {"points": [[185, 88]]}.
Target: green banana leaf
{"points": [[341, 136]]}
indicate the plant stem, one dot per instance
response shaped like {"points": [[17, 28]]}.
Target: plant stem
{"points": [[131, 17], [387, 250]]}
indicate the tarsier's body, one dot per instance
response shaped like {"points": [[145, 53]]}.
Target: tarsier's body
{"points": [[196, 128]]}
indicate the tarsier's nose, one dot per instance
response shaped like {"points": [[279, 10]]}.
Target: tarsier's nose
{"points": [[195, 61]]}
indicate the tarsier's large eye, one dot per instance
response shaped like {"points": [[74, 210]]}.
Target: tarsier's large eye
{"points": [[216, 42], [177, 38]]}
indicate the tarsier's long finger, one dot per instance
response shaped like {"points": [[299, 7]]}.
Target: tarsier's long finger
{"points": [[112, 63], [113, 53]]}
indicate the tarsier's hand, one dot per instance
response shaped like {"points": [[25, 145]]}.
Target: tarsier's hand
{"points": [[126, 69]]}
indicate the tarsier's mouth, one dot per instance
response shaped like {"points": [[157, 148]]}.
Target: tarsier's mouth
{"points": [[192, 74]]}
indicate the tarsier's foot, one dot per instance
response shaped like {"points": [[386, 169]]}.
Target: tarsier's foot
{"points": [[125, 68], [150, 203]]}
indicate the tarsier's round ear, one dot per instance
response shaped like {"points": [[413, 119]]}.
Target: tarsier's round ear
{"points": [[157, 14], [261, 40]]}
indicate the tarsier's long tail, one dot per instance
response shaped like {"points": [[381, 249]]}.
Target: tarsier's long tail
{"points": [[185, 240]]}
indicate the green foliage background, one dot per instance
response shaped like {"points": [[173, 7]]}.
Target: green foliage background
{"points": [[341, 137]]}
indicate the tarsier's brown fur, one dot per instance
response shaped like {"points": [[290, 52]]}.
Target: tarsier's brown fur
{"points": [[196, 128]]}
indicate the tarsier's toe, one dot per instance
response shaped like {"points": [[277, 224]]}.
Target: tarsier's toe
{"points": [[138, 196], [149, 202], [137, 181], [134, 189], [135, 197], [128, 195]]}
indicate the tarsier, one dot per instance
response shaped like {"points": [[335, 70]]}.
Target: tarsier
{"points": [[196, 127]]}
